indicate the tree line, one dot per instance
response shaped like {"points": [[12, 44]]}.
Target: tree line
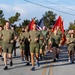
{"points": [[49, 20]]}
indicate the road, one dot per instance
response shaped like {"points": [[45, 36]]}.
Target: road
{"points": [[47, 67]]}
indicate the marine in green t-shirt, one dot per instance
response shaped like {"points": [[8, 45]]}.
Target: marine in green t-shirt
{"points": [[34, 45], [55, 39], [8, 36], [21, 41], [8, 39], [71, 47], [27, 44], [45, 34]]}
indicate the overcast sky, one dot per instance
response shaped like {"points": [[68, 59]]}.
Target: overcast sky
{"points": [[28, 10]]}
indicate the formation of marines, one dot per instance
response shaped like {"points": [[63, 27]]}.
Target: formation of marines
{"points": [[34, 43]]}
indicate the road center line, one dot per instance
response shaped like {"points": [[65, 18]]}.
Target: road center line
{"points": [[51, 69], [45, 69]]}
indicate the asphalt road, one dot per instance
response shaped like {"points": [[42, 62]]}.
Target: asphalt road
{"points": [[47, 67]]}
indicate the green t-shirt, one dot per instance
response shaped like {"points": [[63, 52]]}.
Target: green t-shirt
{"points": [[8, 35], [33, 35], [68, 36], [44, 33], [59, 33], [21, 37], [26, 37], [55, 39], [71, 39], [41, 41]]}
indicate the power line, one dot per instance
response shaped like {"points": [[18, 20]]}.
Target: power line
{"points": [[49, 8], [59, 5]]}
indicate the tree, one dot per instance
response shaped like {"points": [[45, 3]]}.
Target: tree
{"points": [[18, 29], [2, 19], [15, 18], [72, 25], [49, 18], [25, 23], [1, 14]]}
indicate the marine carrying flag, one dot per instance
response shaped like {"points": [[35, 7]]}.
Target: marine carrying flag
{"points": [[31, 24], [59, 23]]}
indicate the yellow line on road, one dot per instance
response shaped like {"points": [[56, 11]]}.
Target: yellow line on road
{"points": [[44, 69], [51, 69]]}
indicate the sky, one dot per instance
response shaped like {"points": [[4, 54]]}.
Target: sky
{"points": [[29, 10]]}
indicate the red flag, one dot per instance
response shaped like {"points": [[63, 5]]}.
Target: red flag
{"points": [[61, 27], [57, 23], [64, 36], [31, 24]]}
